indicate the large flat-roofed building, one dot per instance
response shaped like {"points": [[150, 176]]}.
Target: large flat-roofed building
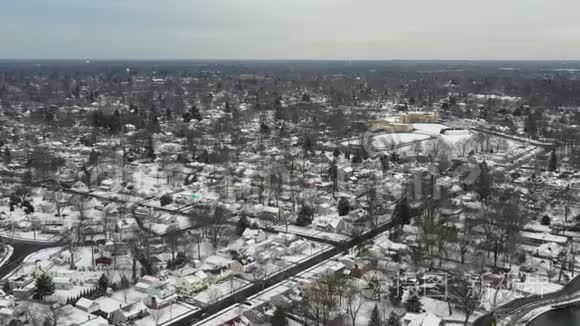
{"points": [[419, 117], [388, 126]]}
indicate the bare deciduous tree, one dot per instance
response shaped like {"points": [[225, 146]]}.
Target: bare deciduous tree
{"points": [[467, 294], [320, 301], [214, 225], [353, 302]]}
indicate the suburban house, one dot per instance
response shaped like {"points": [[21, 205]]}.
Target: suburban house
{"points": [[334, 224], [221, 263], [193, 283], [87, 305], [256, 235], [147, 282], [269, 213], [160, 296], [126, 313], [107, 306]]}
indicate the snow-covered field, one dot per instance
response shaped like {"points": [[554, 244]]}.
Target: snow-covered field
{"points": [[386, 141], [166, 314]]}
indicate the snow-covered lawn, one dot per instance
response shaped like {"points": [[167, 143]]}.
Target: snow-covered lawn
{"points": [[452, 138], [55, 262], [166, 314], [18, 224], [220, 290], [441, 309], [490, 300], [310, 231], [386, 141]]}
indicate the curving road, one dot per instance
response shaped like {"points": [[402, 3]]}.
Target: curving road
{"points": [[22, 248], [516, 309]]}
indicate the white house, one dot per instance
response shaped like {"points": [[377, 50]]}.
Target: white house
{"points": [[160, 296], [256, 235], [87, 305], [108, 305], [194, 283], [269, 213], [124, 314], [330, 223]]}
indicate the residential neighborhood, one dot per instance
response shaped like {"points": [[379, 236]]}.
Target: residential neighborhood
{"points": [[180, 194]]}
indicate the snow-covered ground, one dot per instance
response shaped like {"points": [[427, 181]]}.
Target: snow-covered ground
{"points": [[387, 141], [56, 262], [6, 254], [166, 315]]}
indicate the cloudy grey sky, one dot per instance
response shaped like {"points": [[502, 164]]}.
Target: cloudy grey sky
{"points": [[290, 29]]}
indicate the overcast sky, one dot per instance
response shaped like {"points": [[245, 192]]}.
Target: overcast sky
{"points": [[290, 29]]}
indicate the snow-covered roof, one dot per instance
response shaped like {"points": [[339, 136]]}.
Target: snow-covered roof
{"points": [[218, 261], [133, 309], [99, 321], [85, 303], [108, 305], [550, 249]]}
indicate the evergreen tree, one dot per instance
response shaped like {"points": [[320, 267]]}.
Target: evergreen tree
{"points": [[44, 286], [375, 319], [484, 181], [187, 117], [403, 211], [308, 143], [195, 114], [103, 282], [125, 283], [531, 125], [336, 153], [279, 113], [553, 162], [343, 207], [413, 304], [394, 157], [93, 158], [333, 172], [7, 287], [150, 149], [264, 129], [7, 156], [165, 200], [385, 163], [393, 319], [395, 296], [304, 216], [243, 223], [546, 220], [279, 318]]}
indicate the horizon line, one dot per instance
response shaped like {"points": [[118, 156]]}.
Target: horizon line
{"points": [[287, 60]]}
